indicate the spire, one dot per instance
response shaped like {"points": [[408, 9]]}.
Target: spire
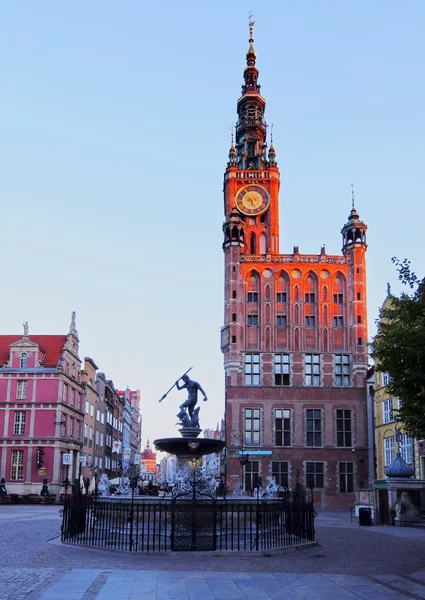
{"points": [[251, 127], [250, 55], [232, 154], [354, 231], [272, 152], [72, 328]]}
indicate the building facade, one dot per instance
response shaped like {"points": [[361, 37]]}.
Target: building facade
{"points": [[294, 334], [41, 410]]}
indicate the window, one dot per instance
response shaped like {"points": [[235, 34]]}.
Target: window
{"points": [[252, 320], [387, 410], [309, 298], [315, 474], [96, 437], [359, 341], [64, 393], [71, 427], [252, 296], [252, 369], [19, 425], [100, 462], [281, 297], [385, 379], [21, 390], [71, 396], [90, 436], [85, 429], [313, 427], [234, 294], [405, 445], [97, 414], [233, 339], [281, 320], [359, 296], [252, 426], [101, 439], [282, 427], [342, 369], [338, 299], [87, 407], [251, 471], [312, 369], [24, 360], [77, 430], [16, 471], [91, 410], [338, 322], [79, 397], [280, 471], [102, 418], [343, 428], [359, 319], [96, 461], [310, 321], [234, 317], [281, 369], [346, 477], [388, 451]]}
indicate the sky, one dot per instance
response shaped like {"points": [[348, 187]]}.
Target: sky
{"points": [[114, 137]]}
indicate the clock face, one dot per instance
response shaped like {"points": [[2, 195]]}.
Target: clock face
{"points": [[252, 200]]}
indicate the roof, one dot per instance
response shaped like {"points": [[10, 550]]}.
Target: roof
{"points": [[51, 346]]}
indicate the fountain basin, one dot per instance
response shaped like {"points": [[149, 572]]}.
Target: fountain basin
{"points": [[185, 447]]}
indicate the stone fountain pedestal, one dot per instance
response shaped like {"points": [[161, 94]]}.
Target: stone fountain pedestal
{"points": [[187, 448]]}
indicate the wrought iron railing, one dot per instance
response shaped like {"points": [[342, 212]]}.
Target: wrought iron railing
{"points": [[151, 525]]}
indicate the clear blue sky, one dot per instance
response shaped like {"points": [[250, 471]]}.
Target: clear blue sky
{"points": [[114, 139]]}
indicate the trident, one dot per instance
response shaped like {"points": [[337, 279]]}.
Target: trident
{"points": [[166, 393]]}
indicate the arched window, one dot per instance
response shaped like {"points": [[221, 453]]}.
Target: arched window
{"points": [[253, 244], [24, 360], [263, 246]]}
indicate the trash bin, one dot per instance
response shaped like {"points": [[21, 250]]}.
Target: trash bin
{"points": [[365, 517]]}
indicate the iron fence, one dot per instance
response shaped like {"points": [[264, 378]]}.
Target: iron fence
{"points": [[152, 525]]}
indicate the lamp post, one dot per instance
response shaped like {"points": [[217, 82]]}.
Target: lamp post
{"points": [[243, 459]]}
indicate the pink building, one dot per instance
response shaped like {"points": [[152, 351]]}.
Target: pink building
{"points": [[41, 410]]}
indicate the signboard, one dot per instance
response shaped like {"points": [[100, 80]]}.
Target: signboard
{"points": [[257, 452], [42, 472], [137, 458], [83, 460], [67, 458], [127, 452], [116, 447]]}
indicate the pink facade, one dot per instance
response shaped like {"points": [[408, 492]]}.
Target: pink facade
{"points": [[41, 417]]}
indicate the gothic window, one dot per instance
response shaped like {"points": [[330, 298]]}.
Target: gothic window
{"points": [[297, 293], [343, 429], [342, 369], [315, 474], [252, 369], [312, 369], [267, 292], [325, 293], [281, 369], [282, 427], [325, 314], [263, 243], [280, 472], [24, 360], [313, 427], [346, 477], [297, 314], [267, 313], [253, 244], [252, 427]]}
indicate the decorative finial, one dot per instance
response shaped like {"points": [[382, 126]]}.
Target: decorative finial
{"points": [[352, 195], [73, 327], [26, 329], [250, 55], [271, 134], [388, 289]]}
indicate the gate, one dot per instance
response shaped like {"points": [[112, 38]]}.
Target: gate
{"points": [[193, 515]]}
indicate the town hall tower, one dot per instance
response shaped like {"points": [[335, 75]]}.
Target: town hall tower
{"points": [[294, 334]]}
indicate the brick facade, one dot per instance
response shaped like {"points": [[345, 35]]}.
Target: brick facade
{"points": [[295, 329]]}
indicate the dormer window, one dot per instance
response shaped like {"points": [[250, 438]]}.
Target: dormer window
{"points": [[24, 360]]}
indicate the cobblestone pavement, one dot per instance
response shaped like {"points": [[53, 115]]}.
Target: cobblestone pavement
{"points": [[32, 566]]}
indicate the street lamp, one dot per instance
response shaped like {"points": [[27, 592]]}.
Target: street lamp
{"points": [[243, 459]]}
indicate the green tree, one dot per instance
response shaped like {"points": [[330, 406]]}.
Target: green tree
{"points": [[399, 349]]}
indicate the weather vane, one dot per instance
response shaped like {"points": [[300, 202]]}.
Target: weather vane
{"points": [[251, 22]]}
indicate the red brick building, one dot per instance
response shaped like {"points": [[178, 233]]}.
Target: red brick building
{"points": [[295, 331]]}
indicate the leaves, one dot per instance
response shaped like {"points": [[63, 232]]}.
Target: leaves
{"points": [[399, 349]]}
